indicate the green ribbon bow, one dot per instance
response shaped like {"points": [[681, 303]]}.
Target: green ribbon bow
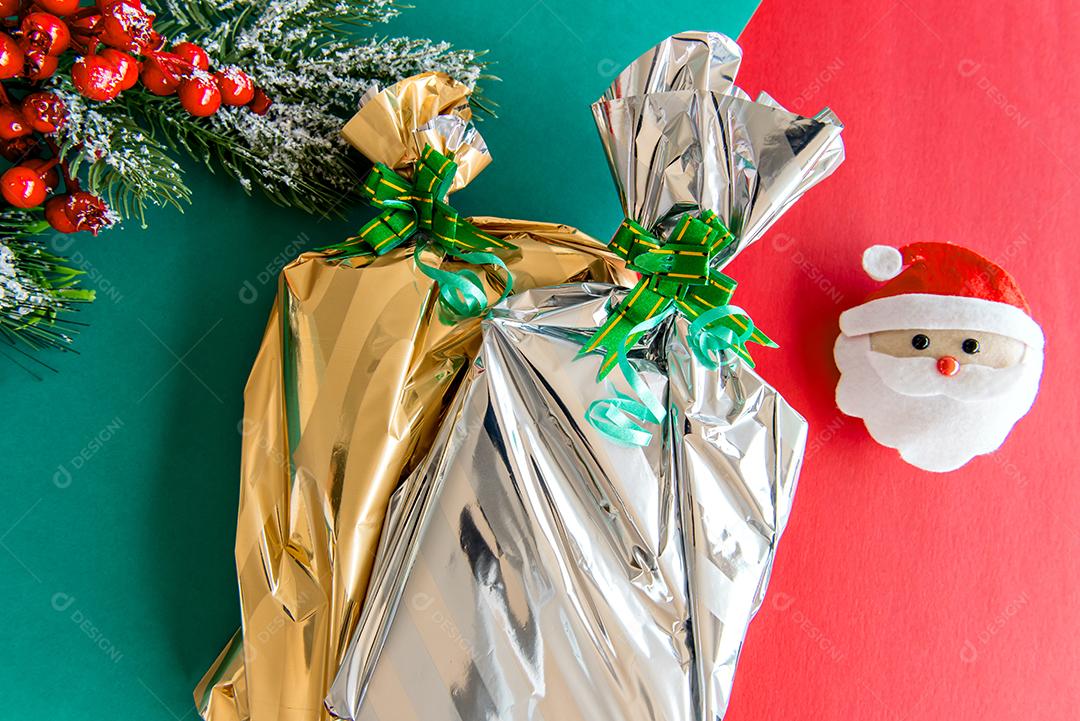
{"points": [[419, 206], [676, 277]]}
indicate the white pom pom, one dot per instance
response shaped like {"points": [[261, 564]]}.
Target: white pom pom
{"points": [[882, 262]]}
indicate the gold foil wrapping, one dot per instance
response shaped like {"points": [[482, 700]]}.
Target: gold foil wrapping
{"points": [[392, 126], [352, 379]]}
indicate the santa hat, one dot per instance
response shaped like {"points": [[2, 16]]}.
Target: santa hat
{"points": [[943, 286]]}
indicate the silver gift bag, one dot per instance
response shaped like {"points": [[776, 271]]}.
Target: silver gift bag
{"points": [[531, 568]]}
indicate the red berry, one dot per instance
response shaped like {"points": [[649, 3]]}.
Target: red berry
{"points": [[236, 87], [40, 65], [171, 64], [260, 103], [82, 29], [44, 111], [23, 187], [56, 214], [125, 25], [86, 211], [193, 55], [13, 123], [19, 149], [46, 32], [11, 57], [9, 7], [59, 7], [157, 41], [95, 77], [50, 177], [126, 65], [157, 79], [199, 95]]}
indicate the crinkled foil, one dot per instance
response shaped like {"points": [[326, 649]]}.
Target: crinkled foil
{"points": [[533, 569], [393, 125], [352, 379], [674, 147], [687, 61]]}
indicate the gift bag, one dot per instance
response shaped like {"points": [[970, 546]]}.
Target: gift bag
{"points": [[575, 548], [361, 357]]}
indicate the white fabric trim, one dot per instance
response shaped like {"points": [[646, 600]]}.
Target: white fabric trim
{"points": [[882, 262], [941, 312]]}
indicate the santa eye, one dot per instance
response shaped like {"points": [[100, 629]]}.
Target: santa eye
{"points": [[970, 346], [920, 342]]}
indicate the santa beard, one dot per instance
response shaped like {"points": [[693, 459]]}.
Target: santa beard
{"points": [[938, 423]]}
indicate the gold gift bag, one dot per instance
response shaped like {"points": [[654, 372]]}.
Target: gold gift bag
{"points": [[351, 381]]}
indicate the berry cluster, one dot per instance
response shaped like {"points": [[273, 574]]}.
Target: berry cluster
{"points": [[117, 47]]}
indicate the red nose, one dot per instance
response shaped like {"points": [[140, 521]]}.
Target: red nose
{"points": [[947, 365]]}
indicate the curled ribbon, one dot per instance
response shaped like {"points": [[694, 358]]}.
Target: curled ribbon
{"points": [[676, 277], [711, 344], [622, 418], [460, 292], [419, 206]]}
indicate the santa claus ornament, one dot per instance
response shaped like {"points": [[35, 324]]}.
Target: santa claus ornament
{"points": [[942, 360]]}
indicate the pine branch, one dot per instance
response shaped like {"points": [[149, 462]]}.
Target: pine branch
{"points": [[308, 57], [21, 223], [267, 166], [121, 161], [314, 58], [37, 290]]}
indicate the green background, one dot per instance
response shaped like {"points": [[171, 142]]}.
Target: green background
{"points": [[121, 470]]}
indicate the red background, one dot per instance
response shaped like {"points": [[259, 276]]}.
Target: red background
{"points": [[900, 594]]}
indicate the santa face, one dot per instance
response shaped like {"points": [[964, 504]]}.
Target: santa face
{"points": [[940, 397]]}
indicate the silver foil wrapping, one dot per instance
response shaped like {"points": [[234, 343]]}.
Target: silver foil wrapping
{"points": [[681, 137], [535, 570], [532, 569]]}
